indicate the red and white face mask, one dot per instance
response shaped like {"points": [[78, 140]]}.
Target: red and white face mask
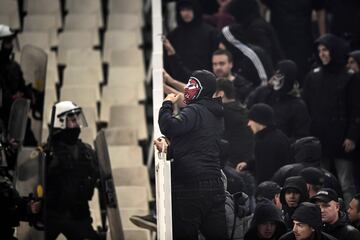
{"points": [[192, 90]]}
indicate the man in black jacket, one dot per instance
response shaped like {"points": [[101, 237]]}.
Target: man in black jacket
{"points": [[292, 194], [331, 94], [198, 196], [266, 222], [334, 221], [307, 224], [272, 147], [281, 93]]}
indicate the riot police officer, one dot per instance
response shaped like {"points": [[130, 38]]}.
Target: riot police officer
{"points": [[71, 176]]}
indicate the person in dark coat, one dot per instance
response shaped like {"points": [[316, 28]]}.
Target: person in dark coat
{"points": [[198, 195], [307, 224], [250, 61], [266, 222], [237, 132], [334, 221], [307, 155], [292, 22], [272, 147], [193, 40], [354, 211], [255, 29], [331, 93], [292, 194], [291, 114]]}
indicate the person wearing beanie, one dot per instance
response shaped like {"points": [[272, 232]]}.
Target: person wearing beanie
{"points": [[266, 222], [193, 41], [282, 94], [331, 94], [198, 195], [307, 224], [272, 147], [292, 194], [314, 179], [268, 190], [334, 221]]}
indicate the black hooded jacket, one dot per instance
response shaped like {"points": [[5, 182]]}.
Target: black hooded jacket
{"points": [[291, 114], [194, 42], [332, 96], [341, 229], [256, 30], [252, 67], [265, 211], [195, 134], [317, 235], [299, 184]]}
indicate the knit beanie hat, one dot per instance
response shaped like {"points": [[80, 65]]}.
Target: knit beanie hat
{"points": [[313, 176], [268, 190], [308, 213], [262, 114]]}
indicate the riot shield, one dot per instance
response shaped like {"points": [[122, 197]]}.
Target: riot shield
{"points": [[33, 63], [26, 182], [17, 119], [107, 188]]}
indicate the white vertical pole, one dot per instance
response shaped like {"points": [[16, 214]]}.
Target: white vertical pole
{"points": [[162, 166]]}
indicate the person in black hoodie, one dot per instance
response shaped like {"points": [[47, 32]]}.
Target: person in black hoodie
{"points": [[331, 94], [307, 155], [291, 114], [250, 61], [237, 132], [307, 224], [334, 221], [198, 196], [193, 40], [292, 194], [266, 222], [272, 147], [255, 29]]}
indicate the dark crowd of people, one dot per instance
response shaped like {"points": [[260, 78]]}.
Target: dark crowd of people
{"points": [[269, 106]]}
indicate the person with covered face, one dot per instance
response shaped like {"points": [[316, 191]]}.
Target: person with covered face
{"points": [[266, 222], [292, 194], [291, 114], [307, 224], [193, 41], [331, 93], [198, 195]]}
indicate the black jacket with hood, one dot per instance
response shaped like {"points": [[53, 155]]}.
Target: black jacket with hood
{"points": [[195, 132], [299, 184], [291, 114], [194, 42], [265, 211], [333, 100], [341, 229], [317, 235], [307, 153], [255, 29], [250, 61]]}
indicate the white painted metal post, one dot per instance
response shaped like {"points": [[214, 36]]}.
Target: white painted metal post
{"points": [[162, 166]]}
